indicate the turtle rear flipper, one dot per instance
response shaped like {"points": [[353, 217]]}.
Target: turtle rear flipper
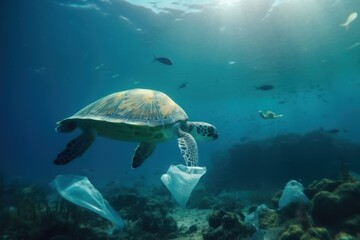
{"points": [[142, 152], [188, 149], [75, 148], [66, 126]]}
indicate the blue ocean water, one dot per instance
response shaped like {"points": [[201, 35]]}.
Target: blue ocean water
{"points": [[231, 59], [58, 56]]}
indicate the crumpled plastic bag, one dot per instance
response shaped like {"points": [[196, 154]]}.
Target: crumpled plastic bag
{"points": [[293, 192], [180, 180], [79, 190], [253, 218]]}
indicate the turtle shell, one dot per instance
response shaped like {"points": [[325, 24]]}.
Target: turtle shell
{"points": [[141, 107]]}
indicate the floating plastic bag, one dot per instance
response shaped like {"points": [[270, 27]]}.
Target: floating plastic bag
{"points": [[293, 192], [181, 180], [79, 190]]}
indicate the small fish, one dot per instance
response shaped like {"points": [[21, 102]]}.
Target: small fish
{"points": [[28, 189], [349, 19], [265, 87], [354, 45], [115, 75], [163, 60], [39, 70], [231, 62], [98, 67], [274, 5], [124, 18], [333, 131], [184, 85]]}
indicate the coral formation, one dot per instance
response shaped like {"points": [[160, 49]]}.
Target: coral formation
{"points": [[316, 234], [225, 225], [293, 232], [31, 217], [296, 232], [338, 206], [149, 217], [268, 164], [334, 213], [335, 209], [324, 184], [344, 236], [269, 219]]}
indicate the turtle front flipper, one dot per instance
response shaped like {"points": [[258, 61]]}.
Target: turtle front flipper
{"points": [[76, 147], [142, 152], [188, 149]]}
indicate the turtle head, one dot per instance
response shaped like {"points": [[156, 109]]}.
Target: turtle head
{"points": [[202, 131]]}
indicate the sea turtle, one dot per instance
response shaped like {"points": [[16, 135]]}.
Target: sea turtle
{"points": [[140, 115]]}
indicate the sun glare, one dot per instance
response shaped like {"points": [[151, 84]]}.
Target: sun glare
{"points": [[228, 3]]}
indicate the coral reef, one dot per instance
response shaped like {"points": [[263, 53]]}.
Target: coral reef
{"points": [[334, 213], [148, 218], [31, 217], [269, 219], [225, 225], [293, 232], [200, 199], [338, 206], [324, 184], [251, 165], [345, 236], [296, 232], [316, 233]]}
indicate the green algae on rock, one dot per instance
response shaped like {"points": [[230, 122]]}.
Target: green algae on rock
{"points": [[333, 208], [226, 226], [293, 232]]}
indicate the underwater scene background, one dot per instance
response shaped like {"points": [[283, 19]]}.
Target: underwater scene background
{"points": [[231, 59]]}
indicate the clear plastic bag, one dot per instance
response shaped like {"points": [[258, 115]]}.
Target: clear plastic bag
{"points": [[293, 192], [181, 180], [79, 190]]}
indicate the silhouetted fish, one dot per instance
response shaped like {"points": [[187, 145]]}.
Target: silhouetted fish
{"points": [[98, 67], [184, 85], [163, 60], [333, 131], [265, 87]]}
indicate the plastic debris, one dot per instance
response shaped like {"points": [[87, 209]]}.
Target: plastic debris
{"points": [[181, 180], [293, 192], [253, 217], [79, 190]]}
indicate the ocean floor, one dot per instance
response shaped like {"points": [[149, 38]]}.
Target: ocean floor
{"points": [[325, 209], [188, 218]]}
